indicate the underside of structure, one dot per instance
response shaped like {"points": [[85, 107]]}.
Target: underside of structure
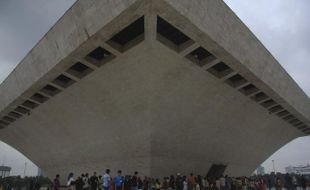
{"points": [[159, 86]]}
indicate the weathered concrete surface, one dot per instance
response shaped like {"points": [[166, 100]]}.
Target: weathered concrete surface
{"points": [[233, 36], [150, 109]]}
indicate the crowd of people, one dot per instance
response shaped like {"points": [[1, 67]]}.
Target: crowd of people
{"points": [[179, 182]]}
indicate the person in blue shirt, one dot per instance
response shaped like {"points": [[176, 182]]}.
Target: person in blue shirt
{"points": [[119, 181]]}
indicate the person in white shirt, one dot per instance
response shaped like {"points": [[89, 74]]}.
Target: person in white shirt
{"points": [[185, 186], [106, 180], [70, 181], [86, 182], [222, 183]]}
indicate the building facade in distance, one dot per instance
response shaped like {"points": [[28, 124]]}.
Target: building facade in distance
{"points": [[5, 171], [260, 170], [302, 170]]}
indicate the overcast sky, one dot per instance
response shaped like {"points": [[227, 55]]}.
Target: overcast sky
{"points": [[283, 26]]}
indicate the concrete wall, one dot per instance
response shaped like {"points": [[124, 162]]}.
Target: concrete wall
{"points": [[150, 108]]}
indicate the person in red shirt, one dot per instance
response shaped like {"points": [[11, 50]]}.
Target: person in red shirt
{"points": [[191, 181]]}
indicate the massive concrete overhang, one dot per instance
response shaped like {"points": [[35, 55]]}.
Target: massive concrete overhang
{"points": [[158, 86]]}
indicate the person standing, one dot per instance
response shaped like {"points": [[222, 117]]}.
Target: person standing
{"points": [[203, 183], [56, 183], [228, 182], [134, 181], [262, 185], [157, 184], [185, 184], [94, 181], [140, 184], [119, 181], [106, 180], [165, 183], [79, 183], [278, 184], [222, 183], [70, 181], [146, 183], [100, 182], [127, 182], [86, 182], [303, 182], [294, 181], [191, 181], [179, 182], [171, 183]]}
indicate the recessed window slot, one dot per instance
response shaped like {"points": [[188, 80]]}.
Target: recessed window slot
{"points": [[249, 89], [236, 80], [306, 130], [302, 127], [276, 108], [38, 98], [171, 36], [8, 119], [200, 56], [129, 36], [15, 115], [4, 123], [50, 90], [220, 70], [298, 124], [268, 103], [283, 113], [79, 70], [99, 56], [22, 110], [30, 104], [63, 81], [294, 121], [259, 97], [289, 117]]}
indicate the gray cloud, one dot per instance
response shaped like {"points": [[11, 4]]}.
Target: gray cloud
{"points": [[22, 24]]}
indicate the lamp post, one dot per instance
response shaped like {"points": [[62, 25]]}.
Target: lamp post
{"points": [[25, 168], [274, 169]]}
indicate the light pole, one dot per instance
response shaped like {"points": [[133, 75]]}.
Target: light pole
{"points": [[25, 168], [274, 169]]}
